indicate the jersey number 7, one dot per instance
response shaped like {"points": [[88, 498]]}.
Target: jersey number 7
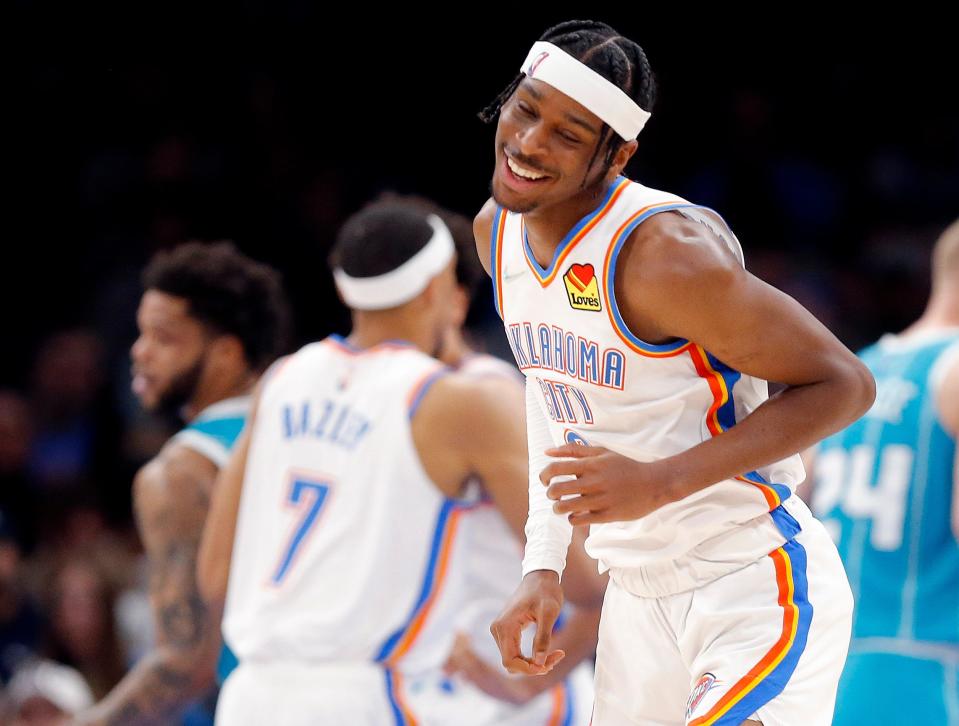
{"points": [[307, 497]]}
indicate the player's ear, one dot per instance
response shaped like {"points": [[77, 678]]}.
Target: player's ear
{"points": [[227, 349], [459, 306], [622, 157], [433, 291]]}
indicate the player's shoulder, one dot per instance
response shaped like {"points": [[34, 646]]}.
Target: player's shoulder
{"points": [[483, 230], [459, 402], [669, 250], [484, 365], [176, 471]]}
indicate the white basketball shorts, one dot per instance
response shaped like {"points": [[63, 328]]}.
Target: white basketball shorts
{"points": [[766, 642]]}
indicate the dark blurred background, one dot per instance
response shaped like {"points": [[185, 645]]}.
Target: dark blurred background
{"points": [[831, 149]]}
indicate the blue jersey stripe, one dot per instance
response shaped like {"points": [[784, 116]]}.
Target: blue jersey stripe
{"points": [[569, 703], [389, 646], [775, 682], [611, 284], [425, 386], [571, 235], [395, 708]]}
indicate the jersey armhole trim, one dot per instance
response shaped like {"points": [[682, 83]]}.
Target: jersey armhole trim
{"points": [[422, 386], [205, 445], [496, 258], [650, 350]]}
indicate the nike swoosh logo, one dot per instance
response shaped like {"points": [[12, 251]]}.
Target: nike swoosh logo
{"points": [[507, 276]]}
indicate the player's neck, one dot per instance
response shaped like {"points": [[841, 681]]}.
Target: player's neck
{"points": [[455, 349], [220, 389], [372, 330], [941, 312], [546, 227]]}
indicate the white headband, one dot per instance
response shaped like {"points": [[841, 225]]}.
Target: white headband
{"points": [[551, 64], [401, 285]]}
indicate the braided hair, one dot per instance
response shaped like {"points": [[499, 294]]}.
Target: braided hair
{"points": [[617, 59]]}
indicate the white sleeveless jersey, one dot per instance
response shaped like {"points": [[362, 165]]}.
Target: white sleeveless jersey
{"points": [[343, 542], [602, 385]]}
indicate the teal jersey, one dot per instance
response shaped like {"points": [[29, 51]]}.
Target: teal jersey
{"points": [[214, 431], [884, 488], [213, 434]]}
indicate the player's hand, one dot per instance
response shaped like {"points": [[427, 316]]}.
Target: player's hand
{"points": [[465, 662], [607, 487], [539, 600]]}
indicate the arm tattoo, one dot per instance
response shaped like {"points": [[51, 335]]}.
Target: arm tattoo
{"points": [[166, 680], [180, 613]]}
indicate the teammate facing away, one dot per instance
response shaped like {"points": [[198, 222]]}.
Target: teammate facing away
{"points": [[888, 490], [493, 556], [337, 523], [210, 321], [643, 337]]}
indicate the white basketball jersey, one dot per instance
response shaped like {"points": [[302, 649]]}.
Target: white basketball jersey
{"points": [[602, 385], [343, 543]]}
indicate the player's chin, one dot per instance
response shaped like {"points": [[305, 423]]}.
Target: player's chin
{"points": [[510, 200], [149, 400]]}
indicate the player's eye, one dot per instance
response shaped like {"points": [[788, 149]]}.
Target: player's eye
{"points": [[525, 109]]}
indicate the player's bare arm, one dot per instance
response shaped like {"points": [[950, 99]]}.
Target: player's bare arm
{"points": [[577, 639], [482, 229], [216, 545], [490, 444], [171, 500], [678, 280], [538, 590]]}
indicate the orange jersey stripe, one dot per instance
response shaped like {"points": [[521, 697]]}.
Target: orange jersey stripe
{"points": [[717, 385], [765, 666], [573, 242], [416, 626], [499, 260], [772, 498], [559, 702], [408, 718]]}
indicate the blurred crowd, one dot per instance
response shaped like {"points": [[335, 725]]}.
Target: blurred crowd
{"points": [[153, 158]]}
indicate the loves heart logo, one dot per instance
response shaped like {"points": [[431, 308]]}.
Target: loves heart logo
{"points": [[581, 275], [582, 288]]}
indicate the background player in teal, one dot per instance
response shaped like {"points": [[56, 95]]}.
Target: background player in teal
{"points": [[887, 487], [210, 321]]}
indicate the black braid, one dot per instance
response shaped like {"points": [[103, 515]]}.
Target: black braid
{"points": [[619, 60]]}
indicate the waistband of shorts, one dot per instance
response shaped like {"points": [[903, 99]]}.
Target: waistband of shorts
{"points": [[716, 557]]}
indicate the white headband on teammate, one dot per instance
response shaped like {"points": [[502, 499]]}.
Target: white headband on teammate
{"points": [[401, 285], [551, 64]]}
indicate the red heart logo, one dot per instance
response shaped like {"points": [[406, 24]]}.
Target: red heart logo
{"points": [[581, 275]]}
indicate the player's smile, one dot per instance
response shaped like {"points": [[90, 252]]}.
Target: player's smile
{"points": [[545, 145], [521, 176]]}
